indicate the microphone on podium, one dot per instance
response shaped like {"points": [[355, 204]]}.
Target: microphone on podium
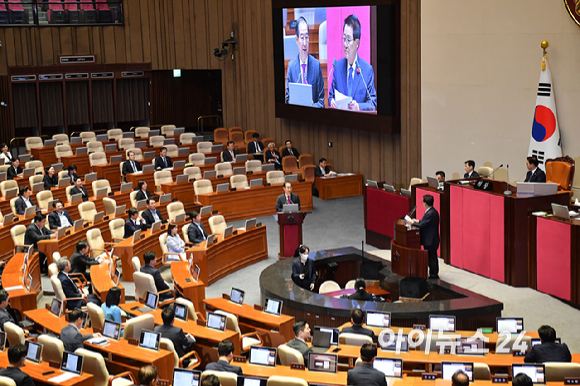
{"points": [[332, 69], [495, 170], [359, 70]]}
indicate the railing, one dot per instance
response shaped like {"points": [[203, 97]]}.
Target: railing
{"points": [[20, 142], [200, 119], [41, 13]]}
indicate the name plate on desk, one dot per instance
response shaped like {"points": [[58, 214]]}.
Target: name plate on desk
{"points": [[572, 380], [54, 364], [297, 366], [163, 382], [200, 323], [258, 307], [239, 359], [484, 185], [133, 341], [518, 353], [226, 296], [421, 327]]}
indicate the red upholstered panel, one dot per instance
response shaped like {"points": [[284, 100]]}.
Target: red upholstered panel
{"points": [[553, 258], [291, 239], [383, 208], [419, 193], [456, 226], [497, 238]]}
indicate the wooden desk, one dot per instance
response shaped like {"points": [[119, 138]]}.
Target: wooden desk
{"points": [[44, 154], [20, 299], [340, 186], [6, 243], [371, 289], [230, 255], [274, 330], [255, 202], [48, 322], [111, 172], [183, 191], [101, 282], [80, 161], [192, 290], [312, 377], [136, 177]]}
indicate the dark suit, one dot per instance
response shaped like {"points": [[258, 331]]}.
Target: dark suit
{"points": [[252, 147], [318, 171], [159, 282], [286, 152], [277, 161], [130, 227], [73, 177], [195, 235], [82, 191], [301, 346], [365, 375], [80, 263], [49, 181], [227, 156], [34, 234], [5, 317], [357, 329], [549, 352], [72, 338], [429, 226], [313, 77], [365, 97], [141, 195], [361, 295], [473, 175], [128, 169], [282, 200], [20, 205], [11, 172], [222, 365], [182, 343], [54, 219], [538, 176], [307, 269], [17, 375], [159, 164], [148, 217], [70, 290]]}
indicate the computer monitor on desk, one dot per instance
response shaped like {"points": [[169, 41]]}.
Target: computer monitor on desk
{"points": [[536, 372], [511, 325], [536, 188], [442, 323], [186, 377], [72, 363]]}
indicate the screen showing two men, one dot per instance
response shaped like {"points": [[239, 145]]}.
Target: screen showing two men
{"points": [[535, 372], [322, 362], [72, 363], [150, 340], [511, 325], [263, 356], [392, 368], [184, 377], [237, 296], [378, 319], [450, 368], [272, 306], [442, 323], [328, 330]]}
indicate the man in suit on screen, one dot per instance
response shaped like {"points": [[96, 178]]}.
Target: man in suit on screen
{"points": [[429, 226], [535, 174], [305, 68], [353, 76]]}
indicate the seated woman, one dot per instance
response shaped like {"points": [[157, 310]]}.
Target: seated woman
{"points": [[80, 189], [72, 173], [175, 243], [273, 156], [142, 192], [303, 271], [111, 307], [361, 293], [5, 156], [50, 178]]}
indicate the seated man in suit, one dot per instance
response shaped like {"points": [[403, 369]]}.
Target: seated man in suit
{"points": [[5, 315], [183, 343], [150, 215], [353, 76], [59, 218], [429, 226], [273, 156], [287, 198], [36, 232], [535, 174], [71, 335], [459, 378], [361, 293], [147, 376], [322, 170], [229, 155], [72, 173], [196, 232], [289, 150], [365, 374], [305, 68], [131, 165], [440, 175], [357, 319], [142, 192], [549, 350], [80, 189], [24, 201], [15, 170], [149, 268], [469, 169], [17, 357], [256, 147], [133, 223], [301, 334], [163, 161], [226, 354], [69, 287], [80, 261]]}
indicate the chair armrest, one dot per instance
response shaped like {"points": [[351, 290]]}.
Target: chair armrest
{"points": [[253, 335], [22, 245], [103, 250], [116, 240], [166, 301], [31, 339], [200, 315], [78, 282], [123, 375], [188, 355], [65, 301], [84, 279], [170, 254]]}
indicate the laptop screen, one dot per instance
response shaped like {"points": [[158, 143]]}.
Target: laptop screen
{"points": [[111, 329], [216, 321], [442, 323], [33, 351], [263, 356], [151, 300], [325, 363], [333, 331], [511, 325], [251, 381], [392, 368], [469, 346], [237, 296], [272, 306], [186, 377], [379, 319], [72, 363], [56, 307], [403, 344], [149, 339], [180, 312], [450, 368], [535, 372], [195, 272], [537, 341]]}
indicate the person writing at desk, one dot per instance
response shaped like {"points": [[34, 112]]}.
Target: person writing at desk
{"points": [[50, 178], [151, 215], [143, 193], [287, 198], [303, 271], [535, 174], [60, 217], [5, 156], [256, 147], [15, 170], [133, 223], [80, 189], [24, 201], [175, 243], [273, 156], [71, 335], [196, 232], [131, 165], [17, 357]]}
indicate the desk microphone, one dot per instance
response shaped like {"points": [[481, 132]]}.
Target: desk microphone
{"points": [[359, 70], [332, 69], [495, 170]]}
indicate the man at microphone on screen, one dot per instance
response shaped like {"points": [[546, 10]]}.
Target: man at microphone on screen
{"points": [[305, 68], [353, 77]]}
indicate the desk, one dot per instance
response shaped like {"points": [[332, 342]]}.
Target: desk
{"points": [[255, 202], [192, 290], [6, 243], [102, 282], [274, 330], [370, 288], [45, 154], [136, 177], [382, 208], [340, 186], [312, 377], [111, 172], [49, 322], [20, 299], [230, 255], [81, 162]]}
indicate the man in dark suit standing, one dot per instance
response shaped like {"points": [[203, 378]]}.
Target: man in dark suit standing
{"points": [[535, 174], [59, 217], [549, 350], [131, 165], [133, 223], [305, 68], [229, 155], [289, 150], [149, 268], [163, 161], [357, 318], [196, 232], [14, 170], [151, 214], [301, 334], [429, 226], [364, 374], [469, 170], [69, 287], [80, 261], [71, 335], [17, 357], [183, 343], [226, 355], [36, 232], [287, 198], [322, 170], [353, 76]]}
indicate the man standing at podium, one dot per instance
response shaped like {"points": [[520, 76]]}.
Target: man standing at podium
{"points": [[287, 198], [429, 226]]}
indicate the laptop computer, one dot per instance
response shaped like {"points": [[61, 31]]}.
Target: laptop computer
{"points": [[178, 131], [228, 231], [58, 167], [239, 171], [3, 176], [391, 367], [450, 368], [197, 139], [90, 177], [225, 187], [290, 208], [216, 148], [11, 193], [75, 140], [372, 184], [405, 193], [49, 142], [469, 346], [33, 351], [252, 381], [128, 134], [8, 219], [321, 340], [169, 141], [378, 319], [179, 164], [182, 151], [333, 331], [442, 323], [263, 356], [151, 301], [256, 182], [241, 158], [149, 340], [24, 158], [536, 372], [72, 363], [140, 144], [182, 178], [127, 187], [82, 150], [56, 307], [237, 296], [561, 211], [111, 330], [165, 198], [291, 178], [186, 377], [180, 312], [433, 182], [205, 210], [60, 233], [78, 224], [149, 168], [268, 167], [537, 341], [149, 155], [155, 226], [141, 204], [216, 321], [273, 306], [28, 172], [209, 174], [209, 241], [36, 188], [511, 325], [153, 133], [325, 363], [30, 212], [136, 236]]}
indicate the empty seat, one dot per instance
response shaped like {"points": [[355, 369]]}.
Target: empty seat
{"points": [[100, 184], [290, 165], [186, 138], [63, 151], [115, 134], [156, 140], [117, 228], [168, 130], [278, 380], [197, 159], [36, 164], [354, 339], [220, 135], [98, 158], [202, 187], [254, 166], [61, 139], [193, 172], [126, 143], [94, 364], [87, 211], [88, 136], [204, 147], [329, 286], [235, 128], [239, 182], [142, 132], [238, 139], [172, 150], [305, 160], [289, 355], [52, 348], [33, 143], [224, 169], [43, 198], [162, 177], [110, 205], [95, 146], [173, 209], [217, 224], [7, 185], [275, 177], [556, 372]]}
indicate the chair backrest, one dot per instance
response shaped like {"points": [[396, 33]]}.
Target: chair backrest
{"points": [[33, 143], [62, 174], [278, 380], [67, 192], [95, 146], [235, 128], [4, 168], [275, 177], [484, 171], [96, 315], [354, 339], [508, 346], [329, 286], [184, 230], [225, 378], [204, 147], [224, 169], [156, 140], [61, 139], [14, 333], [202, 187], [289, 355], [5, 381], [217, 224], [557, 371], [191, 315], [98, 158], [193, 172], [254, 166], [138, 153], [142, 132], [13, 205], [415, 181], [63, 151], [220, 135], [57, 288], [168, 129], [126, 143], [43, 198], [134, 326], [110, 205], [481, 371], [87, 210], [136, 263], [231, 320], [36, 164], [238, 138], [197, 159], [249, 135], [350, 284], [95, 241], [100, 184], [239, 181], [172, 150], [561, 171], [305, 160], [162, 177], [52, 270], [266, 141], [186, 138], [143, 283], [52, 348], [88, 136], [308, 173], [133, 198], [173, 209], [117, 228], [17, 233], [94, 364], [7, 185], [290, 164], [163, 242], [115, 134], [56, 256], [167, 344], [35, 179]]}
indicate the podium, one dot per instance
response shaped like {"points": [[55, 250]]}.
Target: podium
{"points": [[290, 225], [407, 257]]}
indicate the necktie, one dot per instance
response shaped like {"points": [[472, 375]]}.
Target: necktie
{"points": [[232, 154], [134, 169], [349, 81], [291, 152], [201, 230], [164, 161], [288, 199], [257, 147], [304, 73]]}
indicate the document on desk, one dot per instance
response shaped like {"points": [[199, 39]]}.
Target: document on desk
{"points": [[18, 287], [62, 378], [341, 100]]}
